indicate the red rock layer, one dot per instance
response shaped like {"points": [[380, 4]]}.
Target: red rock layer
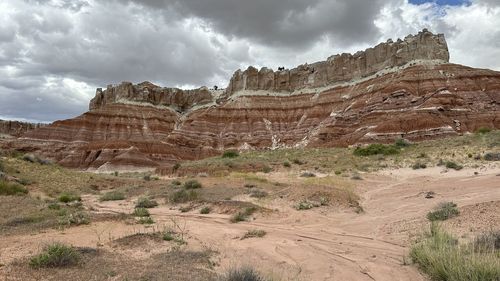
{"points": [[134, 126], [115, 135], [417, 103], [420, 102]]}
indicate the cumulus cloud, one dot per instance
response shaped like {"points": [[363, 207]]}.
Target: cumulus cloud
{"points": [[54, 53]]}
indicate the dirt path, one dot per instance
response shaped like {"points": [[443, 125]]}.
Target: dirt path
{"points": [[312, 244]]}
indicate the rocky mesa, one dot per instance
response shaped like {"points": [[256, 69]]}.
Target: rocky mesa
{"points": [[398, 89]]}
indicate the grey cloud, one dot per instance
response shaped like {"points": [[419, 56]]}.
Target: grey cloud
{"points": [[291, 23], [46, 43]]}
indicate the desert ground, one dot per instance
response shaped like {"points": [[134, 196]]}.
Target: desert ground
{"points": [[348, 218]]}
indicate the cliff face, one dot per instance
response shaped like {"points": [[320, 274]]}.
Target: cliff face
{"points": [[397, 89], [17, 128], [150, 94], [345, 67]]}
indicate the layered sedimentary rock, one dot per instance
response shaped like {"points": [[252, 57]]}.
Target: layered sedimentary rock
{"points": [[404, 89], [17, 128], [344, 67], [148, 93]]}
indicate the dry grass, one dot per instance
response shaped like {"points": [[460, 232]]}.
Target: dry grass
{"points": [[442, 257], [100, 264], [455, 149]]}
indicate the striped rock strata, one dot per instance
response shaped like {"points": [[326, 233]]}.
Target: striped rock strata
{"points": [[403, 89]]}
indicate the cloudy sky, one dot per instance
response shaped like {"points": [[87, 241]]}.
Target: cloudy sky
{"points": [[54, 53]]}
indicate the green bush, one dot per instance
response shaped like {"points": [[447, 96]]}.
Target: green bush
{"points": [[56, 255], [183, 196], [267, 169], [441, 257], [304, 205], [419, 165], [254, 233], [243, 215], [443, 211], [146, 220], [492, 156], [192, 184], [257, 193], [375, 149], [176, 166], [241, 274], [205, 210], [145, 202], [230, 154], [171, 236], [67, 197], [483, 130], [75, 218], [453, 165], [401, 143], [112, 196], [298, 162], [7, 188], [141, 212], [287, 164]]}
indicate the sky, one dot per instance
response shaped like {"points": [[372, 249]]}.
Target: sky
{"points": [[55, 53]]}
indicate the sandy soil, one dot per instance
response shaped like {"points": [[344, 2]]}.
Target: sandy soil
{"points": [[317, 244]]}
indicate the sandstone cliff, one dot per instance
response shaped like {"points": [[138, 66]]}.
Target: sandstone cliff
{"points": [[344, 67], [397, 89], [150, 94], [17, 128]]}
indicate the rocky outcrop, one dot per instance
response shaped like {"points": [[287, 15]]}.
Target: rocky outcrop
{"points": [[149, 94], [344, 67], [405, 89], [17, 128]]}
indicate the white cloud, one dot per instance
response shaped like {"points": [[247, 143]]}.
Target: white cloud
{"points": [[472, 31]]}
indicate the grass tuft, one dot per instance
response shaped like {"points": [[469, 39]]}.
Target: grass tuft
{"points": [[376, 149], [205, 210], [145, 202], [56, 255], [453, 165], [141, 212], [443, 211], [241, 274], [418, 165], [112, 196], [67, 197], [7, 188], [255, 233], [483, 130], [230, 154], [192, 184], [183, 196], [243, 215], [441, 257], [145, 220]]}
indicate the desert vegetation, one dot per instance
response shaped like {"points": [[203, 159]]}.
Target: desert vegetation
{"points": [[56, 255], [443, 257], [255, 198], [443, 211]]}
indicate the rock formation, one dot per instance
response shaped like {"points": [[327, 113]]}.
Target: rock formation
{"points": [[17, 128], [345, 67], [403, 89]]}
